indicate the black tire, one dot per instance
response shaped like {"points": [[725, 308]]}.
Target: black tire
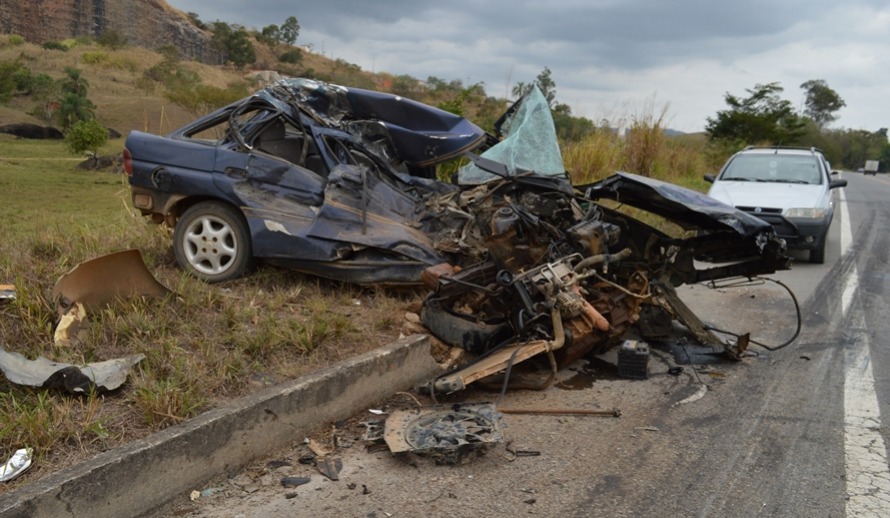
{"points": [[817, 255], [211, 241]]}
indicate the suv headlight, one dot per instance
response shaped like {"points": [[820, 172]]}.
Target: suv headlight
{"points": [[805, 213]]}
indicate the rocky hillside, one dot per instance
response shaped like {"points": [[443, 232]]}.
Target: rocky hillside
{"points": [[146, 23]]}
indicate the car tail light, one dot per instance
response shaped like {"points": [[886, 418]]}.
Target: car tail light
{"points": [[128, 162]]}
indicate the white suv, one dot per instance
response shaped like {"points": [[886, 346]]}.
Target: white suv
{"points": [[790, 188]]}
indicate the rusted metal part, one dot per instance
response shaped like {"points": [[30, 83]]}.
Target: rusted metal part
{"points": [[98, 282], [449, 434], [501, 359], [667, 297], [432, 275], [561, 411]]}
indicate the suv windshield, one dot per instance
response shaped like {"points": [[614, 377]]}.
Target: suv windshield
{"points": [[774, 168]]}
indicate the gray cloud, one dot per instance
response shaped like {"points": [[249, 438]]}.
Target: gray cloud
{"points": [[606, 55]]}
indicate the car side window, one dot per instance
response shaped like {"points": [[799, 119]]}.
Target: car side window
{"points": [[215, 132]]}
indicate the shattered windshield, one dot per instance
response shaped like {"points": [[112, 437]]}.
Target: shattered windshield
{"points": [[530, 143]]}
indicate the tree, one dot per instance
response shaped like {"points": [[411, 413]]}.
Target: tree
{"points": [[232, 43], [289, 31], [761, 117], [45, 92], [545, 83], [74, 82], [74, 108], [821, 102], [86, 136], [270, 35], [9, 79]]}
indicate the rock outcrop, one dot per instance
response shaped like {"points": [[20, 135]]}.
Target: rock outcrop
{"points": [[147, 23]]}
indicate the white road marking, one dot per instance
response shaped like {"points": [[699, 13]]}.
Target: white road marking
{"points": [[865, 455]]}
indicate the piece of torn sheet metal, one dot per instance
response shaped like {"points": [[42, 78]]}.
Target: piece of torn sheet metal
{"points": [[42, 373], [98, 282]]}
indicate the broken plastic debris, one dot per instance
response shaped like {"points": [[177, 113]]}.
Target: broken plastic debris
{"points": [[317, 448], [43, 373], [330, 467], [7, 293], [290, 482], [17, 464], [97, 282], [70, 326], [700, 393], [376, 411]]}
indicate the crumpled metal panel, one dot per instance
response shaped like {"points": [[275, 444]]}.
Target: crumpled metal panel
{"points": [[43, 373]]}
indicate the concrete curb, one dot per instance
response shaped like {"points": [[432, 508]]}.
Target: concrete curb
{"points": [[138, 478]]}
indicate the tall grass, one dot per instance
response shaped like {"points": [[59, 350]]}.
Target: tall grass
{"points": [[646, 149]]}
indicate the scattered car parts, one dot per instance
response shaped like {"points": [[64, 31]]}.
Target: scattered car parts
{"points": [[17, 464], [448, 434], [94, 284], [42, 373], [7, 293]]}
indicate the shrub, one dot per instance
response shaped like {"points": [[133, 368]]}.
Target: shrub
{"points": [[86, 136], [15, 40], [112, 39], [292, 56], [55, 45], [95, 58]]}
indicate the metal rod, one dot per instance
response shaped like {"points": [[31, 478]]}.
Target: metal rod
{"points": [[561, 411]]}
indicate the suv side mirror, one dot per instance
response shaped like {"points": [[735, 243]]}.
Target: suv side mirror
{"points": [[837, 183], [709, 178]]}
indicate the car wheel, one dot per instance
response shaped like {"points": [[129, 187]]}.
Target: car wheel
{"points": [[211, 242], [817, 255]]}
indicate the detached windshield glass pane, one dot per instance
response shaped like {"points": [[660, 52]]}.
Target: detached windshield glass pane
{"points": [[530, 143]]}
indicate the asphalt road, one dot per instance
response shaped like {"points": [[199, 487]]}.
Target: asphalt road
{"points": [[792, 432]]}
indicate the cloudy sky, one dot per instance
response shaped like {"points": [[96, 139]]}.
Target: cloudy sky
{"points": [[613, 59]]}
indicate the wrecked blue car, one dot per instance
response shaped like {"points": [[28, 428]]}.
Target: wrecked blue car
{"points": [[340, 182], [285, 174]]}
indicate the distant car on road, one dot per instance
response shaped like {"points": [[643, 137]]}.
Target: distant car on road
{"points": [[789, 188]]}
